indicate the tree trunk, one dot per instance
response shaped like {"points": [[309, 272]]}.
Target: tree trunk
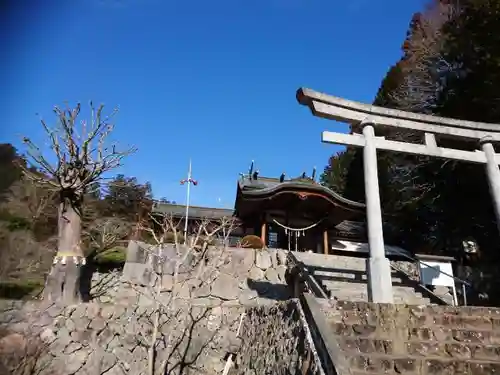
{"points": [[63, 281]]}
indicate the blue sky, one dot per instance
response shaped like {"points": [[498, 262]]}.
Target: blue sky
{"points": [[211, 80]]}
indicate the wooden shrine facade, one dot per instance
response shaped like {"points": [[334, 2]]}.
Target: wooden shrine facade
{"points": [[296, 214]]}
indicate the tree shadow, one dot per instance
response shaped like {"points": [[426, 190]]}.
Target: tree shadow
{"points": [[266, 289], [107, 281]]}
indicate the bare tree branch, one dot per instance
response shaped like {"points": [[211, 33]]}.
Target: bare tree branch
{"points": [[32, 199], [424, 63], [174, 318], [81, 157], [106, 233]]}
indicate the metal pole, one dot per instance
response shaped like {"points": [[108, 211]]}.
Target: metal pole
{"points": [[187, 203]]}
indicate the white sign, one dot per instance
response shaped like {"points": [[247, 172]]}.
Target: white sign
{"points": [[362, 247], [437, 273]]}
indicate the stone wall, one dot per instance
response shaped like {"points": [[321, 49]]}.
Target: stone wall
{"points": [[277, 340], [113, 332]]}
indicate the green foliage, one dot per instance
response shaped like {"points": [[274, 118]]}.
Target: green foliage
{"points": [[252, 241], [23, 289], [334, 175], [430, 203], [116, 256], [14, 222], [126, 197], [18, 223], [9, 169], [170, 237]]}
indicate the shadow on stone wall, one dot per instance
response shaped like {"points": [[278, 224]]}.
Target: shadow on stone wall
{"points": [[266, 289], [277, 340]]}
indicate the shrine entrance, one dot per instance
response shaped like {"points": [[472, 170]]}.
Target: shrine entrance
{"points": [[432, 128], [299, 238], [294, 214]]}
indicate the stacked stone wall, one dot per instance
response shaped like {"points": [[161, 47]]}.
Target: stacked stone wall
{"points": [[112, 333]]}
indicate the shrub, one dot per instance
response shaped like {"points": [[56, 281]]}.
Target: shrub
{"points": [[116, 255], [252, 241], [14, 222], [18, 223], [20, 289], [170, 237]]}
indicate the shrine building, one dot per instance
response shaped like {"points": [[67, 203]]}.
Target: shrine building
{"points": [[288, 213]]}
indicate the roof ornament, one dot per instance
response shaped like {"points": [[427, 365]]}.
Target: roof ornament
{"points": [[255, 175], [282, 177], [313, 177], [303, 175], [250, 171]]}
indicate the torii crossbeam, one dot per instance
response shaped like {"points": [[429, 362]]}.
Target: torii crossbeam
{"points": [[371, 117]]}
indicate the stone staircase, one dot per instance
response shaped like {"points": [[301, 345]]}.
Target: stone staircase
{"points": [[357, 290], [344, 278], [414, 340]]}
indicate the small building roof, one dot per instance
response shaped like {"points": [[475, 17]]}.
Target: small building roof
{"points": [[195, 212]]}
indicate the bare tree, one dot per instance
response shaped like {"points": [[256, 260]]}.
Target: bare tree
{"points": [[31, 200], [81, 159], [424, 63], [106, 233], [180, 271]]}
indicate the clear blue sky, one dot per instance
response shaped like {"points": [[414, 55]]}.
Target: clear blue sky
{"points": [[211, 80]]}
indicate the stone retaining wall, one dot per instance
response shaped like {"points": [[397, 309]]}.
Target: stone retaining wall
{"points": [[277, 340], [112, 333]]}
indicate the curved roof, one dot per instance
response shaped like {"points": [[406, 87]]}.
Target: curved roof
{"points": [[264, 187]]}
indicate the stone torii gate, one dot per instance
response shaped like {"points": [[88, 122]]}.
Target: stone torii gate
{"points": [[370, 117]]}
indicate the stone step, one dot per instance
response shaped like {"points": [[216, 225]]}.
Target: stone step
{"points": [[401, 299], [436, 333], [415, 340], [408, 365], [457, 316], [443, 349], [359, 292]]}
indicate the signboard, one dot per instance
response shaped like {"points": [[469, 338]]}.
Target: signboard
{"points": [[362, 247], [437, 273]]}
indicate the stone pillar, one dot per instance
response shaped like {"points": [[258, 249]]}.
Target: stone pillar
{"points": [[326, 248], [377, 265], [493, 175], [263, 233]]}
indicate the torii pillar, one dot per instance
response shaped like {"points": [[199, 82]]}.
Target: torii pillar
{"points": [[377, 265]]}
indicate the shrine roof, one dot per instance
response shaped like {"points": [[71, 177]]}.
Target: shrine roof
{"points": [[261, 186]]}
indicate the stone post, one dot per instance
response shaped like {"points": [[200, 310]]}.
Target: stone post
{"points": [[377, 265], [493, 175]]}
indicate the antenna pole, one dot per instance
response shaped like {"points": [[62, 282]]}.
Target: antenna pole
{"points": [[187, 202]]}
